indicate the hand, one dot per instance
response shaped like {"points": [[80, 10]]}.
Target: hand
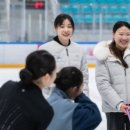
{"points": [[123, 107]]}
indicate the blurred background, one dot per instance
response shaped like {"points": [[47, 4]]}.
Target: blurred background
{"points": [[32, 20], [26, 24]]}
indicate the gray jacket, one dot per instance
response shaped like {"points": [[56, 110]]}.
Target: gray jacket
{"points": [[112, 79], [72, 55]]}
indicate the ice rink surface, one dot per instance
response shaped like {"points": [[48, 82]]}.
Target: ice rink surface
{"points": [[13, 74]]}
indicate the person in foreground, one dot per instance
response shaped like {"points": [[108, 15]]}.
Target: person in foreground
{"points": [[65, 51], [73, 110], [22, 105], [113, 76]]}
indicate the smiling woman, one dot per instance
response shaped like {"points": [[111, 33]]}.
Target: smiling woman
{"points": [[113, 74], [65, 51]]}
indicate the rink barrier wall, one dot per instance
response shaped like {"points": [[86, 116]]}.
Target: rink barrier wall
{"points": [[40, 43], [22, 65], [13, 54]]}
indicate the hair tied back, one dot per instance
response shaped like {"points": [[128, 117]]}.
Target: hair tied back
{"points": [[26, 75]]}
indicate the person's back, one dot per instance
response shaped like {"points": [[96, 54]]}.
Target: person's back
{"points": [[22, 105], [73, 110], [17, 106]]}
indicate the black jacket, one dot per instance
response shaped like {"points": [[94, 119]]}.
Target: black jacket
{"points": [[23, 107]]}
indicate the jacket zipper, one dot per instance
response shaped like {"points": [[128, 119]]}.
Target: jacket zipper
{"points": [[125, 71], [126, 86], [67, 52]]}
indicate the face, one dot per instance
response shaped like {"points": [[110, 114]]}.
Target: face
{"points": [[51, 78], [64, 32], [122, 37]]}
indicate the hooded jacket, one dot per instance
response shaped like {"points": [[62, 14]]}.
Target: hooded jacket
{"points": [[112, 79]]}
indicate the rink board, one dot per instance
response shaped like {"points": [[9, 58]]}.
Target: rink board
{"points": [[13, 54]]}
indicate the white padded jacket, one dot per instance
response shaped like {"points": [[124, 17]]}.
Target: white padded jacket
{"points": [[71, 55], [112, 79]]}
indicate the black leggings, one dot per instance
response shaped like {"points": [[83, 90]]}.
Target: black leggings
{"points": [[117, 121]]}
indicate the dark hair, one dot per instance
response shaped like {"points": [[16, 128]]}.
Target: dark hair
{"points": [[69, 77], [60, 19], [113, 47], [38, 63], [120, 24]]}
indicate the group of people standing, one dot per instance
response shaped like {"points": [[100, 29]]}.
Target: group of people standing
{"points": [[59, 67]]}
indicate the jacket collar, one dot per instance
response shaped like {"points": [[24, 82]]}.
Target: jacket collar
{"points": [[102, 52], [58, 41], [61, 93]]}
